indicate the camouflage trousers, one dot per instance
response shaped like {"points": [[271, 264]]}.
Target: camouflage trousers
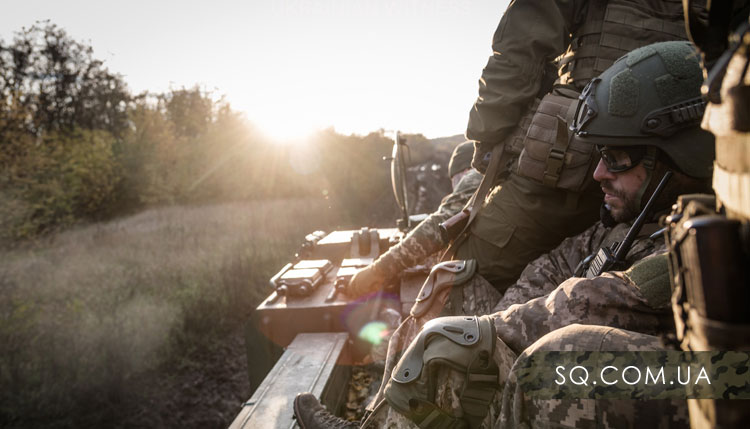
{"points": [[511, 408], [475, 297]]}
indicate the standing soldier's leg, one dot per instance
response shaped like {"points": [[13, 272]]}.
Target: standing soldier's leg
{"points": [[522, 220]]}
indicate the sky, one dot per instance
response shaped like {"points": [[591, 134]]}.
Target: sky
{"points": [[293, 66]]}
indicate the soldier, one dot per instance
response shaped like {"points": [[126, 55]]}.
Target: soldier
{"points": [[710, 271], [425, 239], [546, 195], [643, 116]]}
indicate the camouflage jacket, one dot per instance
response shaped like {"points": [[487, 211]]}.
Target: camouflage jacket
{"points": [[425, 238], [542, 275], [611, 299]]}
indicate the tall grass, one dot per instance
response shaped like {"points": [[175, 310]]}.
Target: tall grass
{"points": [[96, 307]]}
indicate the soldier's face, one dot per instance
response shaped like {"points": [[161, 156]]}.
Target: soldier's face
{"points": [[621, 189]]}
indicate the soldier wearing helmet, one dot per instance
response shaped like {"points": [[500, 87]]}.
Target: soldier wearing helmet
{"points": [[545, 196], [444, 380]]}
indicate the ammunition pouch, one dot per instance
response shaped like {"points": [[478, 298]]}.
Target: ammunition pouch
{"points": [[462, 343], [442, 276], [551, 156], [708, 267]]}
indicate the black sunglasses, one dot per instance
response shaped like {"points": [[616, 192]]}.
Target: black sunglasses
{"points": [[619, 159]]}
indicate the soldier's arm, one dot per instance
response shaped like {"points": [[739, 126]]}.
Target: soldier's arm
{"points": [[513, 74], [612, 299], [543, 274], [425, 239]]}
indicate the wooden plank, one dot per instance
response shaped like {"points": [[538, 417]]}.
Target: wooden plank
{"points": [[307, 365]]}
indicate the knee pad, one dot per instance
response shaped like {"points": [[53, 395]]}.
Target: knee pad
{"points": [[462, 343]]}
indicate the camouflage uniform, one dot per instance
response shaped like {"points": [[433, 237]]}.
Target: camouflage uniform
{"points": [[542, 275], [425, 239], [612, 300], [634, 300], [513, 409], [525, 218], [477, 296]]}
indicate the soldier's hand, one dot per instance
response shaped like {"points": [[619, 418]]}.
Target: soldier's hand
{"points": [[367, 280], [481, 158]]}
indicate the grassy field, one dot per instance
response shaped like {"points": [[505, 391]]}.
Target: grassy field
{"points": [[104, 322]]}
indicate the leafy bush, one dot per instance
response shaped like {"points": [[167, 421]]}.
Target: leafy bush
{"points": [[63, 177]]}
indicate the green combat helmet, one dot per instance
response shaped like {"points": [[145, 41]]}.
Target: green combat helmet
{"points": [[461, 158], [651, 98]]}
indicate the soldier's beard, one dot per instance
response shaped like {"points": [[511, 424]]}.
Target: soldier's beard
{"points": [[624, 209]]}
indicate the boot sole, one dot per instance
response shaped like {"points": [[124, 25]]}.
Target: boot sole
{"points": [[296, 413]]}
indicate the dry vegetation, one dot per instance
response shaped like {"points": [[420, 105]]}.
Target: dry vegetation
{"points": [[137, 321], [90, 316]]}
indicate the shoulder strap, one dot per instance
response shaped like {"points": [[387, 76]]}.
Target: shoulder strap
{"points": [[499, 157]]}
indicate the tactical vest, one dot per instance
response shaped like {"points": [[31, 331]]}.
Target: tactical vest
{"points": [[730, 123], [612, 29]]}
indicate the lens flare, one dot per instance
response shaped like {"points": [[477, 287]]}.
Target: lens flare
{"points": [[374, 332]]}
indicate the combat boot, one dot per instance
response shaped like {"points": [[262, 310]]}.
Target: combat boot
{"points": [[311, 414]]}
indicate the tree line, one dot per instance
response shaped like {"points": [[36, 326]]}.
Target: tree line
{"points": [[77, 145]]}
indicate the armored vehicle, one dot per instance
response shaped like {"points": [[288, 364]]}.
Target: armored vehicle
{"points": [[311, 329]]}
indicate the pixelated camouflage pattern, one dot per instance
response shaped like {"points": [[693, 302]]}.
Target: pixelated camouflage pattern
{"points": [[518, 410], [513, 408], [475, 297], [545, 273], [664, 374], [425, 238], [449, 384], [609, 300]]}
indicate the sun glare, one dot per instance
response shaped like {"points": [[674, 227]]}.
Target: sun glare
{"points": [[287, 132]]}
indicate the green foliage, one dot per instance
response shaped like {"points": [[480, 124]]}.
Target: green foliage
{"points": [[76, 146], [49, 82], [58, 179]]}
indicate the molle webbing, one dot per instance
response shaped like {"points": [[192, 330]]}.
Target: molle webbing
{"points": [[514, 142], [607, 34], [549, 156]]}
